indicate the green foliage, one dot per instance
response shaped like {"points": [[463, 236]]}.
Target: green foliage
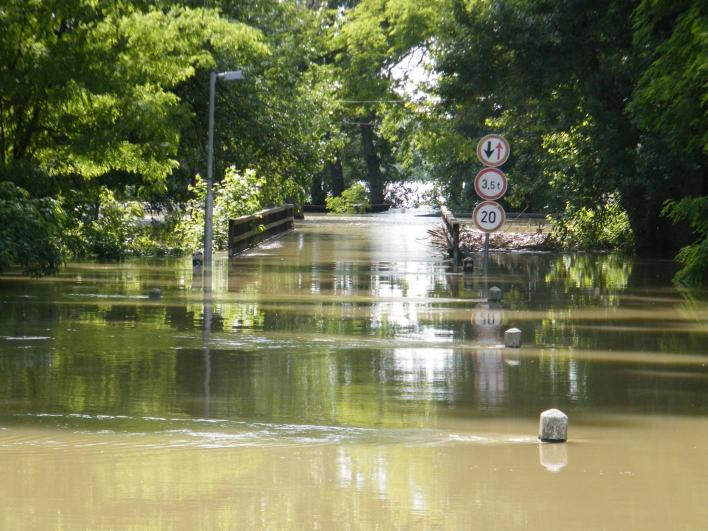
{"points": [[354, 200], [670, 95], [30, 232], [111, 229], [106, 230], [237, 195], [89, 91], [606, 226], [694, 257]]}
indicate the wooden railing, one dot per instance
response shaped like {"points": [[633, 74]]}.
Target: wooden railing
{"points": [[248, 231], [452, 232]]}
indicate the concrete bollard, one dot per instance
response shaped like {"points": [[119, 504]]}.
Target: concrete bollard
{"points": [[468, 265], [512, 338], [154, 293], [494, 294], [553, 426]]}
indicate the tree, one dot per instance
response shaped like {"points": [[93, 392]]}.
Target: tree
{"points": [[669, 103], [88, 90], [374, 36], [556, 77]]}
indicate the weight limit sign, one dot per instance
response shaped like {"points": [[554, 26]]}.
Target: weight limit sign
{"points": [[490, 184], [488, 216]]}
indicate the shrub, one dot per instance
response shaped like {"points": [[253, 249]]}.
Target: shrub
{"points": [[354, 200], [237, 195], [30, 231], [604, 227], [694, 257]]}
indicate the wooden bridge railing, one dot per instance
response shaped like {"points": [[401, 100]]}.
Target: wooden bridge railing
{"points": [[452, 232], [248, 231]]}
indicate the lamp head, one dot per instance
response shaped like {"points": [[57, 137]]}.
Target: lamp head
{"points": [[231, 75]]}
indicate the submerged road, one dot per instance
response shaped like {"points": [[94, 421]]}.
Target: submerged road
{"points": [[345, 376]]}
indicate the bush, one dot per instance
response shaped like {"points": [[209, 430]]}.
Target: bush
{"points": [[104, 228], [604, 227], [354, 200], [108, 229], [694, 257], [237, 195], [30, 232]]}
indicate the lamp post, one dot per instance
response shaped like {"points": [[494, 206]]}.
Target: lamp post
{"points": [[232, 75]]}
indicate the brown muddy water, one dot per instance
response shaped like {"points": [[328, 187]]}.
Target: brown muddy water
{"points": [[345, 377]]}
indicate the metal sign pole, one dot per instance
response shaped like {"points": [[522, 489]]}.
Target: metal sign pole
{"points": [[486, 253]]}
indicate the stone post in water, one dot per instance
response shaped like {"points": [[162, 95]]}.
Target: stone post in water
{"points": [[553, 426], [512, 338]]}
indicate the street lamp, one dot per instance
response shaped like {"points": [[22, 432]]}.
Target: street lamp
{"points": [[233, 75]]}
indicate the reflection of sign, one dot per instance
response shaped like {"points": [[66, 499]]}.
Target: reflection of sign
{"points": [[490, 183], [488, 216], [493, 150], [485, 318]]}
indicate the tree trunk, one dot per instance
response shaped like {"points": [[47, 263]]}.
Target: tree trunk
{"points": [[317, 193], [336, 173], [373, 164]]}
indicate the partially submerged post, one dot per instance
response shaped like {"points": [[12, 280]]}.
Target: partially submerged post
{"points": [[512, 338], [468, 265], [494, 294], [553, 426]]}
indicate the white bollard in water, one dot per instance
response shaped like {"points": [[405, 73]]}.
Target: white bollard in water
{"points": [[494, 294], [512, 338], [553, 426]]}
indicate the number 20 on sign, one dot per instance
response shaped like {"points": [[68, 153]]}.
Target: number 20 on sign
{"points": [[488, 216]]}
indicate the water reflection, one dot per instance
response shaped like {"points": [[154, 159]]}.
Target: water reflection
{"points": [[338, 324], [553, 457], [353, 360]]}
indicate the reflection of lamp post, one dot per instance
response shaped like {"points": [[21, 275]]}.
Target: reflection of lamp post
{"points": [[209, 207]]}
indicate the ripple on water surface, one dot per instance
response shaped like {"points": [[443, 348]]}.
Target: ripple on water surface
{"points": [[157, 433]]}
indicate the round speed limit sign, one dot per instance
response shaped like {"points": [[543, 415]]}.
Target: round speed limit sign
{"points": [[490, 183], [489, 216]]}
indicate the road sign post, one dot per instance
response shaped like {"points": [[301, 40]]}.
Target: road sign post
{"points": [[490, 184]]}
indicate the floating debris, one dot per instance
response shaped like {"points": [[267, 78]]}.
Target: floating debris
{"points": [[472, 241]]}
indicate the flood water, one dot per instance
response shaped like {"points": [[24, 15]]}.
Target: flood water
{"points": [[346, 377]]}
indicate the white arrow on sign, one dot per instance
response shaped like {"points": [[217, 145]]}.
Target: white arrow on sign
{"points": [[490, 183], [493, 150], [489, 216]]}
